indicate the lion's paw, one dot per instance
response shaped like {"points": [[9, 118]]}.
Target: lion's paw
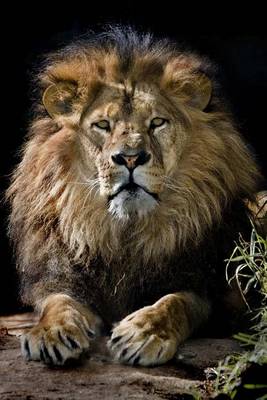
{"points": [[144, 338], [58, 340]]}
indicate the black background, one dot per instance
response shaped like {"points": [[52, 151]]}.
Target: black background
{"points": [[225, 36]]}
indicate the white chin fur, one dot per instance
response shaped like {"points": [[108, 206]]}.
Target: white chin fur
{"points": [[127, 204]]}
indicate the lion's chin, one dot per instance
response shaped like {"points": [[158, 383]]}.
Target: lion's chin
{"points": [[128, 204]]}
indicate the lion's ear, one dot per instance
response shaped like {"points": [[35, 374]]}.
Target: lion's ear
{"points": [[198, 91], [58, 98]]}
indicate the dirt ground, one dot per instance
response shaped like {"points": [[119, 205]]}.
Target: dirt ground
{"points": [[99, 377]]}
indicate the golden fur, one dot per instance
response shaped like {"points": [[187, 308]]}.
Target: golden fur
{"points": [[59, 193]]}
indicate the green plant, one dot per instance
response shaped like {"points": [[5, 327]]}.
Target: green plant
{"points": [[251, 272]]}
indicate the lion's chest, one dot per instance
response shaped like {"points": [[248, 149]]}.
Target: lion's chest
{"points": [[117, 290]]}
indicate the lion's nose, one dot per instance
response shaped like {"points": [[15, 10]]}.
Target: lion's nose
{"points": [[131, 161]]}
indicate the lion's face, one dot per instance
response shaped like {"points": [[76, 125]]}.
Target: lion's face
{"points": [[131, 129], [139, 143]]}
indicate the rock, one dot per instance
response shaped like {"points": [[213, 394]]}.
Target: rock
{"points": [[100, 377], [207, 352]]}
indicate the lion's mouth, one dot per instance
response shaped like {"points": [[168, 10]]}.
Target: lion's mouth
{"points": [[132, 188]]}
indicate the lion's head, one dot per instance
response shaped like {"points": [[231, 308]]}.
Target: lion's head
{"points": [[131, 141], [133, 126]]}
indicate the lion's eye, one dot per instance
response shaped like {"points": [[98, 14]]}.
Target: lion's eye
{"points": [[104, 124], [157, 122]]}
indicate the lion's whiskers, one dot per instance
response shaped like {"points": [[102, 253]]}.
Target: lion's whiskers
{"points": [[171, 184], [90, 185]]}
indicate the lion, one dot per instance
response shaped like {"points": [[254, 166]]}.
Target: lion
{"points": [[127, 200]]}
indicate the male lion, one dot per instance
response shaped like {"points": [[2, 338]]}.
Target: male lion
{"points": [[127, 201]]}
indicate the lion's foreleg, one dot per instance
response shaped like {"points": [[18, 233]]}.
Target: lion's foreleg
{"points": [[151, 335], [63, 333]]}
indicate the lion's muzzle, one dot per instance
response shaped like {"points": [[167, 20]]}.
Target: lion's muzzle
{"points": [[131, 161]]}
